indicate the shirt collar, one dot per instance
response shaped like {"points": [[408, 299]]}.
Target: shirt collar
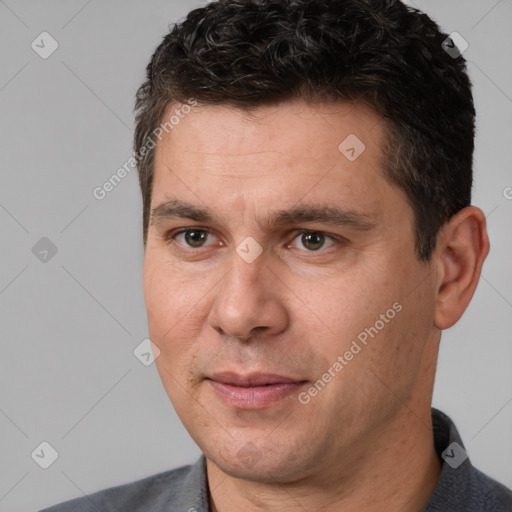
{"points": [[457, 479]]}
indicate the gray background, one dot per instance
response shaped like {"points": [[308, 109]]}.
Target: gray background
{"points": [[69, 325]]}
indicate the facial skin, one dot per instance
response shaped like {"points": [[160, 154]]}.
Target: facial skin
{"points": [[365, 438]]}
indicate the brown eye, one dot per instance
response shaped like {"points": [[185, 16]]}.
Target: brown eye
{"points": [[192, 237], [313, 241]]}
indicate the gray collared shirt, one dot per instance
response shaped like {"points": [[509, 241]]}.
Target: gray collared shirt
{"points": [[461, 487]]}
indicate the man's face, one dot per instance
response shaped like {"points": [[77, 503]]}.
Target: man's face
{"points": [[263, 286]]}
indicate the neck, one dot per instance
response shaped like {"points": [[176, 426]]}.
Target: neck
{"points": [[397, 469]]}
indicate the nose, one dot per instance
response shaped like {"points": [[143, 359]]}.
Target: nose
{"points": [[249, 300]]}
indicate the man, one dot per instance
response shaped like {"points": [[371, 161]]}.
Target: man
{"points": [[306, 171]]}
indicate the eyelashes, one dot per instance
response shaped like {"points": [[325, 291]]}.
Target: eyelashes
{"points": [[197, 238]]}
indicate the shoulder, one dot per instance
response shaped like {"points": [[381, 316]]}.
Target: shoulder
{"points": [[474, 492], [178, 487], [492, 494], [461, 486]]}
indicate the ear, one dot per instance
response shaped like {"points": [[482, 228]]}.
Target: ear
{"points": [[462, 246]]}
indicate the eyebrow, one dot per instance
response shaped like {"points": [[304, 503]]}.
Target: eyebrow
{"points": [[299, 214]]}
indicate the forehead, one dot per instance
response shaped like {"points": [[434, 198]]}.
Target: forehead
{"points": [[288, 129], [277, 156]]}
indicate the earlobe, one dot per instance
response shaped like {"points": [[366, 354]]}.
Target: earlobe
{"points": [[462, 247]]}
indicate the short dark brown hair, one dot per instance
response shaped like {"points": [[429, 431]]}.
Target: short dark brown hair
{"points": [[248, 53]]}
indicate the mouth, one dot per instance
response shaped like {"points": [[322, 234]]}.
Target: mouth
{"points": [[253, 391]]}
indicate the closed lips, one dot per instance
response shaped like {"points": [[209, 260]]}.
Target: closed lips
{"points": [[252, 380]]}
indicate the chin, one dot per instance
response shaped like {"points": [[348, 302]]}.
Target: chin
{"points": [[262, 472], [265, 466]]}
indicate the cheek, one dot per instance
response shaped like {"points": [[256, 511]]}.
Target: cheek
{"points": [[399, 351], [372, 316], [349, 304], [173, 302]]}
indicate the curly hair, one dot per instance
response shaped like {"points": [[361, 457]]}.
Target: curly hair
{"points": [[248, 53]]}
